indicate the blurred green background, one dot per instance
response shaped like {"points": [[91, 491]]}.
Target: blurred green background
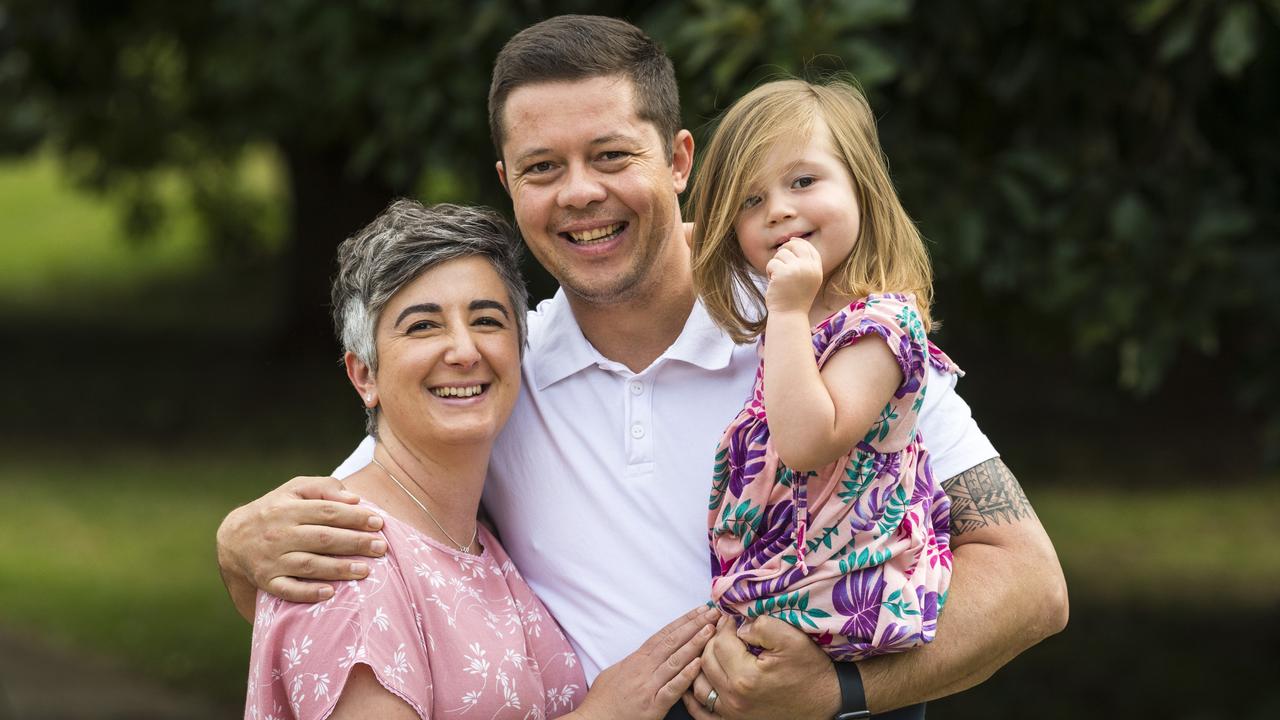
{"points": [[1099, 181]]}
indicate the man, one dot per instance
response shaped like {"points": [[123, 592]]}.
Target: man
{"points": [[599, 482]]}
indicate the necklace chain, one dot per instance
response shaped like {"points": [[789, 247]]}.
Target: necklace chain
{"points": [[474, 533]]}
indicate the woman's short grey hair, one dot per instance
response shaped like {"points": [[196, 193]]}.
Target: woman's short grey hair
{"points": [[405, 240]]}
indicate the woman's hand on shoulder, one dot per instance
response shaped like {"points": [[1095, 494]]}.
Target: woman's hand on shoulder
{"points": [[650, 680]]}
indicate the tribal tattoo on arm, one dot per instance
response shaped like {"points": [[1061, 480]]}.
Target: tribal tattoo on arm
{"points": [[985, 494]]}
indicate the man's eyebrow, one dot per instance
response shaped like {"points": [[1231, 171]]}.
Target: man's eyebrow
{"points": [[601, 140], [419, 308], [612, 137], [532, 153], [490, 305]]}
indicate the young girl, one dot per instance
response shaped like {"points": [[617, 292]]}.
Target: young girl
{"points": [[823, 511]]}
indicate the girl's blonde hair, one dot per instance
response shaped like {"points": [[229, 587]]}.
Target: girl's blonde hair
{"points": [[889, 255]]}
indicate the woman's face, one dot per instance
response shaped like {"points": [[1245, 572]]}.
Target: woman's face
{"points": [[448, 356]]}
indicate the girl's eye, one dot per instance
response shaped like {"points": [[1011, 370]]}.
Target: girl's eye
{"points": [[804, 181], [751, 202]]}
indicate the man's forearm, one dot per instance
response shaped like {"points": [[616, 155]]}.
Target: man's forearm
{"points": [[1007, 593], [992, 615], [243, 594]]}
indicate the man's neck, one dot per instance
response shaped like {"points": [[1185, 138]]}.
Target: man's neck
{"points": [[637, 330]]}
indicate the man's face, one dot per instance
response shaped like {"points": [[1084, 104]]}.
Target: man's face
{"points": [[594, 190]]}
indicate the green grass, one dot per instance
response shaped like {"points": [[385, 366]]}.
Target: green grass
{"points": [[1185, 544], [55, 236], [114, 551]]}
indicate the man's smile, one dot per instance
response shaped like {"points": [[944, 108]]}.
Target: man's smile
{"points": [[594, 235]]}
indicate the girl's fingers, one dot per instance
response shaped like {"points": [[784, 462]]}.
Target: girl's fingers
{"points": [[772, 267]]}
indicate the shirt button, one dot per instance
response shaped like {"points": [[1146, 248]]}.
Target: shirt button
{"points": [[637, 431], [637, 388]]}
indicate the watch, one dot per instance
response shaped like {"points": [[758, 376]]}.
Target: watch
{"points": [[853, 701]]}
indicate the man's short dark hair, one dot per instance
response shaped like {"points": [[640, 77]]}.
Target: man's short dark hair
{"points": [[578, 47]]}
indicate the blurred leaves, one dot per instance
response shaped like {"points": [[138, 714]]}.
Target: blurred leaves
{"points": [[1234, 39], [1109, 172], [722, 47]]}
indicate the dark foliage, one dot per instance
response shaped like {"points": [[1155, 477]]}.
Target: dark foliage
{"points": [[1104, 175]]}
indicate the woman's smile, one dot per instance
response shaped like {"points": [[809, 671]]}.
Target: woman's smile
{"points": [[459, 391]]}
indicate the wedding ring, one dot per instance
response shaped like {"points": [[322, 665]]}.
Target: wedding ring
{"points": [[710, 704]]}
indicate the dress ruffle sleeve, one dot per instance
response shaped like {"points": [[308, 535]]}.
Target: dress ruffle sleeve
{"points": [[303, 654], [895, 320]]}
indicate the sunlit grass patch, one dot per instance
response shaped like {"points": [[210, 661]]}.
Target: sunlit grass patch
{"points": [[115, 553], [67, 254], [1177, 545], [54, 236]]}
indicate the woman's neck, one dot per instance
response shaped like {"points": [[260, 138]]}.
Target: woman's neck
{"points": [[447, 480]]}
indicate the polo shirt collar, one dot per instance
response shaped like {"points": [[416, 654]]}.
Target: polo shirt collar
{"points": [[563, 350]]}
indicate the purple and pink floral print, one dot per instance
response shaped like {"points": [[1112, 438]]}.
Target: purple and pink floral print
{"points": [[855, 554]]}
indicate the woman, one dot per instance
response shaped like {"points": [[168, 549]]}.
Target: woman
{"points": [[430, 309]]}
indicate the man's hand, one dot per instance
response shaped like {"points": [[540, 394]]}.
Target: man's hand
{"points": [[1007, 593], [795, 276], [792, 678], [287, 537], [650, 680]]}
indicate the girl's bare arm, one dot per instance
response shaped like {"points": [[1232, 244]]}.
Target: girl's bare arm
{"points": [[815, 417]]}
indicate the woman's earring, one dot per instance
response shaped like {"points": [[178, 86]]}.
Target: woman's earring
{"points": [[368, 398]]}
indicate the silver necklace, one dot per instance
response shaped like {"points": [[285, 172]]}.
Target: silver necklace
{"points": [[474, 533]]}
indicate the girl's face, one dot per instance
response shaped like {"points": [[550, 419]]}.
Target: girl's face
{"points": [[806, 192]]}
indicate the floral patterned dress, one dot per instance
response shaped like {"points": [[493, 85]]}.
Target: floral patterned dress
{"points": [[454, 635], [857, 553]]}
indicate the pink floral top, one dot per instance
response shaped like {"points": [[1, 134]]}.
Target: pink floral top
{"points": [[857, 553], [452, 634]]}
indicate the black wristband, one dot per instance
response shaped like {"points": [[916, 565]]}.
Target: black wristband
{"points": [[853, 700]]}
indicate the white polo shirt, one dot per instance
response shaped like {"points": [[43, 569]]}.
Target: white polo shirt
{"points": [[599, 483]]}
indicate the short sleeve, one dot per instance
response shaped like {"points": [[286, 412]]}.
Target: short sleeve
{"points": [[302, 654], [947, 426], [894, 319]]}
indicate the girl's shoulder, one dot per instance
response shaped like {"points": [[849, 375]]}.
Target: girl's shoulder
{"points": [[887, 314], [887, 305]]}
